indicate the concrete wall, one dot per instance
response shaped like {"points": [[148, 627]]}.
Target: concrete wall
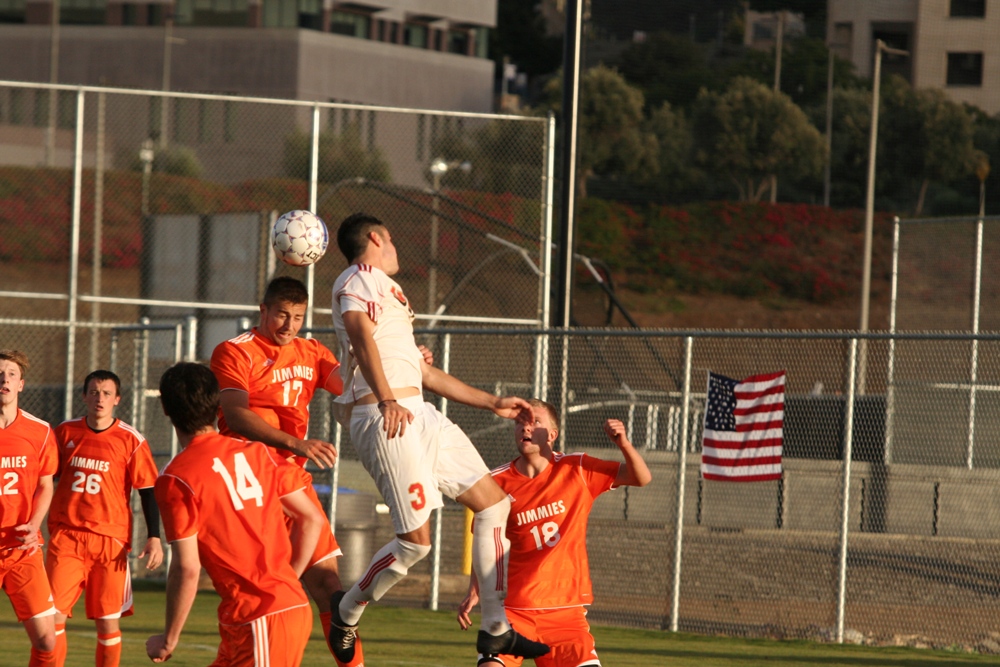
{"points": [[289, 64]]}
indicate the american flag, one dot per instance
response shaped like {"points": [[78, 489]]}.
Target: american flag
{"points": [[744, 428]]}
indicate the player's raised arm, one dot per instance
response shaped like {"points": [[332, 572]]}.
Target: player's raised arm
{"points": [[360, 330], [450, 387], [241, 419], [635, 472]]}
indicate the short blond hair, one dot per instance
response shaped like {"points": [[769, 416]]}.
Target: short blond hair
{"points": [[539, 404], [18, 357]]}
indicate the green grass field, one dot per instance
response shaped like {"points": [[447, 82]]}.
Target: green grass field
{"points": [[411, 637]]}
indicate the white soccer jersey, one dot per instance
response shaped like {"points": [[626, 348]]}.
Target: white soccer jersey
{"points": [[367, 289]]}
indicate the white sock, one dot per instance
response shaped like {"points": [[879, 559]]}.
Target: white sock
{"points": [[389, 565], [490, 549]]}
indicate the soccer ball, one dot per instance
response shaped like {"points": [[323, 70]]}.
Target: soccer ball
{"points": [[299, 238]]}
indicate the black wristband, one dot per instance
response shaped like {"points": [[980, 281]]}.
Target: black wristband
{"points": [[382, 404]]}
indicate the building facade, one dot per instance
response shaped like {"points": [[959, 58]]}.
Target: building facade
{"points": [[412, 53], [952, 44]]}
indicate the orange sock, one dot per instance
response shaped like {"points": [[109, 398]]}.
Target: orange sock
{"points": [[42, 658], [109, 649], [324, 621], [60, 649]]}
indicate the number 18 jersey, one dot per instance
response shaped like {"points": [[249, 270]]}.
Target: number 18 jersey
{"points": [[547, 529]]}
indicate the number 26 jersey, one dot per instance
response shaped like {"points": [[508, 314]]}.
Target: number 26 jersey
{"points": [[97, 472], [547, 529]]}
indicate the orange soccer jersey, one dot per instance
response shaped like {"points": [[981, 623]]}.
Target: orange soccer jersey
{"points": [[226, 493], [279, 379], [27, 452], [547, 530], [97, 472]]}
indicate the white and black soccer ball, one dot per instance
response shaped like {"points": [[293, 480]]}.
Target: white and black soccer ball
{"points": [[299, 238]]}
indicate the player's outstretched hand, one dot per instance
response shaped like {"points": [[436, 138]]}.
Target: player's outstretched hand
{"points": [[154, 551], [464, 609], [156, 648], [427, 354], [29, 538], [512, 407], [395, 418], [323, 454], [616, 431]]}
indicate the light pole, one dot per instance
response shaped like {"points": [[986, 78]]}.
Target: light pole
{"points": [[146, 155], [866, 275], [439, 167], [50, 133], [168, 41]]}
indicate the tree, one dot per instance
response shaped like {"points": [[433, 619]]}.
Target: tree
{"points": [[668, 68], [749, 133], [340, 157], [924, 138], [675, 174], [612, 136]]}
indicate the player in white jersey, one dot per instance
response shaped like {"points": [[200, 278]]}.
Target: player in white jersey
{"points": [[413, 452]]}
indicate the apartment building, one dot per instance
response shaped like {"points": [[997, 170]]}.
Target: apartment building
{"points": [[953, 44], [415, 53]]}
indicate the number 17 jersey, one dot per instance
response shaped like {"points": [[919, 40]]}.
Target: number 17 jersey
{"points": [[547, 529]]}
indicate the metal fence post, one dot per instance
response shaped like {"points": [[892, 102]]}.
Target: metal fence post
{"points": [[675, 601], [191, 349], [74, 254], [438, 515], [852, 359], [313, 195], [890, 380], [974, 361]]}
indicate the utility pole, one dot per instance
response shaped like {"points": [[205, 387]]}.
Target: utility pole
{"points": [[50, 135]]}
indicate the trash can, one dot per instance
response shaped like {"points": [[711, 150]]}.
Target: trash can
{"points": [[355, 530]]}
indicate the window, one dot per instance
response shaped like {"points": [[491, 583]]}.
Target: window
{"points": [[965, 69], [347, 23], [66, 110], [968, 8], [415, 35], [229, 122], [82, 12], [11, 11], [17, 105], [458, 41], [219, 12], [41, 117]]}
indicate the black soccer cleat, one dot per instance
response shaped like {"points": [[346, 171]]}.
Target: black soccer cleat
{"points": [[342, 636], [509, 643], [490, 661]]}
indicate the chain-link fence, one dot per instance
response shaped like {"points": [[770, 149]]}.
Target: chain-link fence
{"points": [[879, 529], [159, 205], [853, 541]]}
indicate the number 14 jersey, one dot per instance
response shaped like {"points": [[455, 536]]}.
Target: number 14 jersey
{"points": [[547, 529]]}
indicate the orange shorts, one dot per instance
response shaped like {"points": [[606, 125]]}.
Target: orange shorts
{"points": [[327, 547], [275, 640], [565, 630], [23, 578], [78, 560]]}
